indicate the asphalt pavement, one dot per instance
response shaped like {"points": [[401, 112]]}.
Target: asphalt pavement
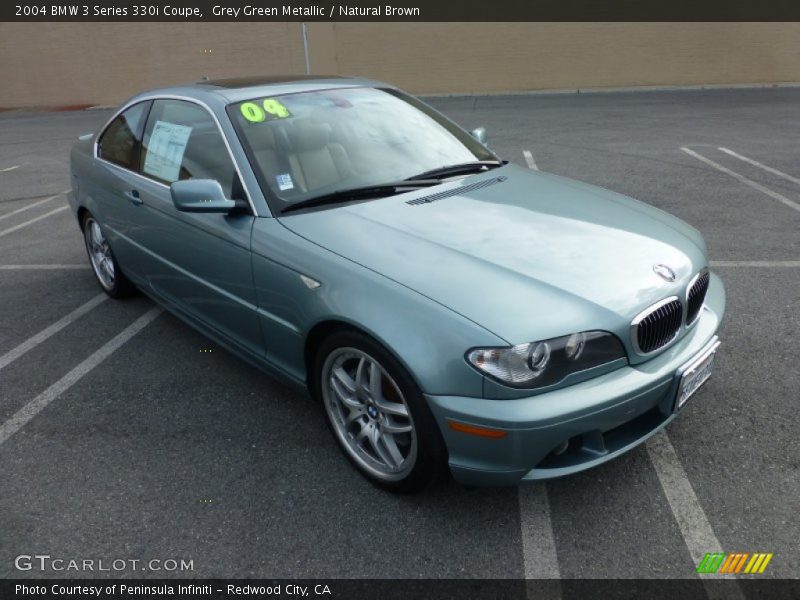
{"points": [[164, 450]]}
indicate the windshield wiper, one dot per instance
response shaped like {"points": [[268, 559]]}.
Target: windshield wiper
{"points": [[368, 191], [468, 167]]}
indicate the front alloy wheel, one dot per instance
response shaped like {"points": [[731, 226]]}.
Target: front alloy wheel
{"points": [[369, 414], [377, 413]]}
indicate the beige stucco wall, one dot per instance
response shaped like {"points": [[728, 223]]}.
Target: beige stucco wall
{"points": [[58, 64], [490, 57], [82, 63]]}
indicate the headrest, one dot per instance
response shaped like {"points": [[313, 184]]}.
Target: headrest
{"points": [[306, 135]]}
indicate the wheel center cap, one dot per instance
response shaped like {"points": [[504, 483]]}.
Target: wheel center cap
{"points": [[372, 411]]}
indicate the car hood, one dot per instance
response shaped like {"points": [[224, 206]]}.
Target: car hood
{"points": [[527, 255]]}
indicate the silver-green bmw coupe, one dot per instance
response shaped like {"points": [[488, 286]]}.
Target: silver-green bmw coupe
{"points": [[448, 310]]}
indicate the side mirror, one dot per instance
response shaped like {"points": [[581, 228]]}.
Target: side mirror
{"points": [[200, 196], [479, 133]]}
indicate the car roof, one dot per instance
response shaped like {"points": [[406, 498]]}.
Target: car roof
{"points": [[259, 80], [238, 89]]}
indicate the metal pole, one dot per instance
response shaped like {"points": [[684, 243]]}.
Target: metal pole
{"points": [[305, 49]]}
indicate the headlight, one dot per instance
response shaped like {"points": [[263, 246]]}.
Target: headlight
{"points": [[544, 363]]}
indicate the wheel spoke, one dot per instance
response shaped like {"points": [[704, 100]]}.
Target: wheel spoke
{"points": [[391, 427], [392, 408], [388, 442], [361, 373], [376, 440], [375, 380], [108, 266], [344, 395], [345, 379], [354, 413], [364, 433], [97, 235]]}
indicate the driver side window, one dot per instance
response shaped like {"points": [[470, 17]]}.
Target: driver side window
{"points": [[182, 141]]}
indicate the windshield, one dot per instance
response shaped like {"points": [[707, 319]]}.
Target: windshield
{"points": [[309, 144]]}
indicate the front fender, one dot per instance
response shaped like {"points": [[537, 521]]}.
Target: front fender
{"points": [[428, 338]]}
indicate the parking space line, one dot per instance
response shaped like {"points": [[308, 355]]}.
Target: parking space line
{"points": [[529, 159], [743, 179], [755, 163], [32, 221], [54, 267], [756, 263], [28, 207], [7, 169], [21, 198], [40, 402], [29, 344], [691, 519], [538, 542]]}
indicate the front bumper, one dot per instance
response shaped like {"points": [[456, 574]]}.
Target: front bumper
{"points": [[598, 419]]}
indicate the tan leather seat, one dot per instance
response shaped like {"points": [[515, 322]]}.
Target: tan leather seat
{"points": [[262, 140], [315, 160]]}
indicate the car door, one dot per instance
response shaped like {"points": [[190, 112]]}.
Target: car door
{"points": [[111, 183], [199, 263]]}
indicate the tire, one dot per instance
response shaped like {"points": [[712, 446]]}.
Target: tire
{"points": [[377, 413], [105, 267]]}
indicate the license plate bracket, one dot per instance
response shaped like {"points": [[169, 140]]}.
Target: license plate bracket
{"points": [[695, 374]]}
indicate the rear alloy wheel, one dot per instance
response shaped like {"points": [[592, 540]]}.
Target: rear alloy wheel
{"points": [[105, 266], [377, 414]]}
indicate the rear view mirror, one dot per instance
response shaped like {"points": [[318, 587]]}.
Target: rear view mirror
{"points": [[200, 196], [479, 133]]}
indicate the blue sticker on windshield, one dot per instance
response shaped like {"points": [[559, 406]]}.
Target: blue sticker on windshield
{"points": [[284, 181]]}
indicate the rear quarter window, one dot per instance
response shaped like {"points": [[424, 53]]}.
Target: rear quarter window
{"points": [[121, 141]]}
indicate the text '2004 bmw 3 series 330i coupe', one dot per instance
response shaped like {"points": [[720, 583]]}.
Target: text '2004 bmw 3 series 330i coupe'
{"points": [[449, 310]]}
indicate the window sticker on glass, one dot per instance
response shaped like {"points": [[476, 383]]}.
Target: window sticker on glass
{"points": [[284, 181], [262, 110], [165, 150]]}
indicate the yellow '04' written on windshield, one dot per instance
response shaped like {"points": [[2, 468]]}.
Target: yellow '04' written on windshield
{"points": [[262, 110]]}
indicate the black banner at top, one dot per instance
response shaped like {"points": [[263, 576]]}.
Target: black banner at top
{"points": [[399, 10]]}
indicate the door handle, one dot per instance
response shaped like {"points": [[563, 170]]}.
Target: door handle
{"points": [[134, 198]]}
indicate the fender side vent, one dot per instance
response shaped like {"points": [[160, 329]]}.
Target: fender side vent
{"points": [[455, 191]]}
